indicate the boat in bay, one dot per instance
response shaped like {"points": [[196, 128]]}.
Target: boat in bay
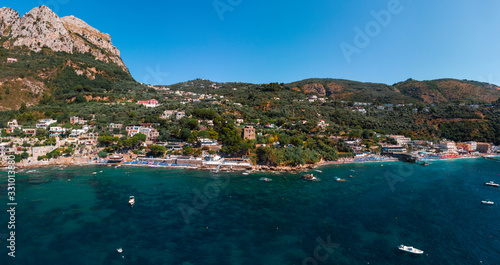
{"points": [[487, 203], [491, 184], [410, 249], [131, 201]]}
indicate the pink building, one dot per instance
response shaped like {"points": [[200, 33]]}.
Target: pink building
{"points": [[149, 103]]}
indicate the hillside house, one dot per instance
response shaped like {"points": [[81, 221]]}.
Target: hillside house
{"points": [[152, 103], [249, 133]]}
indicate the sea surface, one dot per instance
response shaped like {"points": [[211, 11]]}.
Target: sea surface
{"points": [[186, 217]]}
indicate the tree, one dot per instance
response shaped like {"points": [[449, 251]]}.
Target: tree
{"points": [[185, 133], [187, 150], [156, 150], [80, 99], [24, 155], [203, 134], [23, 108], [102, 154]]}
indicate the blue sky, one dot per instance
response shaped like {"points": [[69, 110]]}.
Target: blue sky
{"points": [[164, 42]]}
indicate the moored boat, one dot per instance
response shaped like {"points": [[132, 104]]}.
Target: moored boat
{"points": [[410, 249], [487, 203]]}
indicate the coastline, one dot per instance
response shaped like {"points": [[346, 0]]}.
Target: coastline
{"points": [[65, 162]]}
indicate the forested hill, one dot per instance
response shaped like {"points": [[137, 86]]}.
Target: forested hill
{"points": [[409, 91]]}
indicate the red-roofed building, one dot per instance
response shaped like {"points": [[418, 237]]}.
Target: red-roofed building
{"points": [[152, 103]]}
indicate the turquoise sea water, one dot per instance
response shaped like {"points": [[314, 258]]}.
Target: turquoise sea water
{"points": [[69, 216]]}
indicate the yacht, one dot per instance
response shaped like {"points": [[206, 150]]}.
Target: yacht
{"points": [[492, 184], [120, 250], [487, 202], [131, 201], [339, 179], [319, 171], [410, 249], [266, 179]]}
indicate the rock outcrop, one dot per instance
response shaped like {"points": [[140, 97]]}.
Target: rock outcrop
{"points": [[41, 27]]}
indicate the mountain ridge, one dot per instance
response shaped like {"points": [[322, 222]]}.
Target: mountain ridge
{"points": [[41, 27]]}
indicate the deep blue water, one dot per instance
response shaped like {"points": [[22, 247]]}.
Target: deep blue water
{"points": [[69, 216]]}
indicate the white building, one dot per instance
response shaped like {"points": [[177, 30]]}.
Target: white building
{"points": [[55, 131], [45, 123], [402, 140], [448, 146], [473, 145]]}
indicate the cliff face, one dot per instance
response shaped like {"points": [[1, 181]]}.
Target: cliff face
{"points": [[41, 27]]}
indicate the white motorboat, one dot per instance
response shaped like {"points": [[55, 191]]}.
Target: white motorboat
{"points": [[120, 250], [131, 201], [319, 171], [265, 179], [491, 184], [487, 203], [410, 249]]}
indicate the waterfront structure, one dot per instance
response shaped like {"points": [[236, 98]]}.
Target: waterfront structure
{"points": [[401, 139], [448, 146], [393, 149], [484, 147]]}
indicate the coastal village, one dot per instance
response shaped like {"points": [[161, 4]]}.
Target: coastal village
{"points": [[82, 141]]}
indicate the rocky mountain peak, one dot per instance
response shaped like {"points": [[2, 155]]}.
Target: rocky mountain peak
{"points": [[41, 27], [7, 17]]}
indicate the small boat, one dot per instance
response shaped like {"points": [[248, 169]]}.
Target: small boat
{"points": [[339, 179], [487, 203], [352, 170], [319, 171], [131, 201], [309, 177], [246, 173], [94, 173], [120, 250], [491, 184], [410, 249], [265, 179]]}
